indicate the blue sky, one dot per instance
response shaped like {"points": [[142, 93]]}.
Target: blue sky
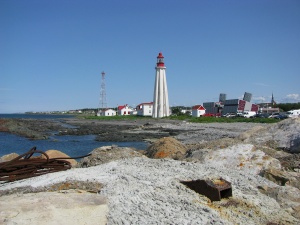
{"points": [[52, 53]]}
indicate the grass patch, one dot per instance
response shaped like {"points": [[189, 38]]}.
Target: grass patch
{"points": [[186, 118], [114, 118], [223, 119], [231, 120]]}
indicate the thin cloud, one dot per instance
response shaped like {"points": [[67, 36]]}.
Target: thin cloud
{"points": [[293, 96], [259, 99]]}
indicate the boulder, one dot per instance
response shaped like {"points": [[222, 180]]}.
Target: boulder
{"points": [[8, 157], [166, 147], [107, 154], [58, 154], [282, 135]]}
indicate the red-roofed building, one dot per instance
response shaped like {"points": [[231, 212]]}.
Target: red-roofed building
{"points": [[124, 110], [144, 109], [198, 110]]}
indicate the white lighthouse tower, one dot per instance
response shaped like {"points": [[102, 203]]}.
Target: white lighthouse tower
{"points": [[160, 99]]}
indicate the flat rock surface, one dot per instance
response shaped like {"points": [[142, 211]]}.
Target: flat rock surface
{"points": [[53, 208], [148, 191]]}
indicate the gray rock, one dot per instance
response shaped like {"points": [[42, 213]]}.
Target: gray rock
{"points": [[284, 135], [107, 154], [148, 191], [277, 176]]}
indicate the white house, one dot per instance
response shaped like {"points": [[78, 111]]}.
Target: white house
{"points": [[145, 109], [124, 110], [198, 110], [108, 112]]}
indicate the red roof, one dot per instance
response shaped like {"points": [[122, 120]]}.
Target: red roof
{"points": [[121, 107], [146, 103], [198, 107]]}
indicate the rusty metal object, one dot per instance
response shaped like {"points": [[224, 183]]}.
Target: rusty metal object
{"points": [[24, 166], [213, 189]]}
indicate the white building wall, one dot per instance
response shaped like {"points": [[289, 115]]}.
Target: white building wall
{"points": [[125, 111], [147, 110], [198, 113], [161, 98], [248, 106], [109, 112]]}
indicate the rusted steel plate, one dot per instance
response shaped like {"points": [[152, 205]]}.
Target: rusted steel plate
{"points": [[214, 189]]}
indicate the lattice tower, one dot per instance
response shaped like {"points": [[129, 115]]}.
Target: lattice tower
{"points": [[103, 104]]}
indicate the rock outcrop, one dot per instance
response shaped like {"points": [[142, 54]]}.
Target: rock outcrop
{"points": [[141, 190], [241, 157], [167, 147], [107, 154], [283, 135]]}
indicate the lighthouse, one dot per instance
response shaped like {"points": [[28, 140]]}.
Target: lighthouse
{"points": [[160, 99]]}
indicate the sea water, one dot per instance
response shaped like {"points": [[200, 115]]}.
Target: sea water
{"points": [[72, 145]]}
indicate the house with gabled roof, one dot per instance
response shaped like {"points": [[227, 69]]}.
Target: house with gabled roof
{"points": [[145, 109], [124, 110], [198, 110], [108, 112]]}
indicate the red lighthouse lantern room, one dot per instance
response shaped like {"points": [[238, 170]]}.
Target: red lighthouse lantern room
{"points": [[160, 60]]}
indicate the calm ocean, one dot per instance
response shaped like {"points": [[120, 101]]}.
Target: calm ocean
{"points": [[71, 145]]}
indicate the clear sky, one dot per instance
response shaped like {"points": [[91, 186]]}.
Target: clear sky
{"points": [[52, 53]]}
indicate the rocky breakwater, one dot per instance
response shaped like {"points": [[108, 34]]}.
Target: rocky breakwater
{"points": [[119, 130], [30, 128]]}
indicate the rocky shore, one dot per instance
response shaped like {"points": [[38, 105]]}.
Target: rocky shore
{"points": [[260, 161], [123, 130]]}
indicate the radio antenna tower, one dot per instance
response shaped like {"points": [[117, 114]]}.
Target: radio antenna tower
{"points": [[103, 104]]}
